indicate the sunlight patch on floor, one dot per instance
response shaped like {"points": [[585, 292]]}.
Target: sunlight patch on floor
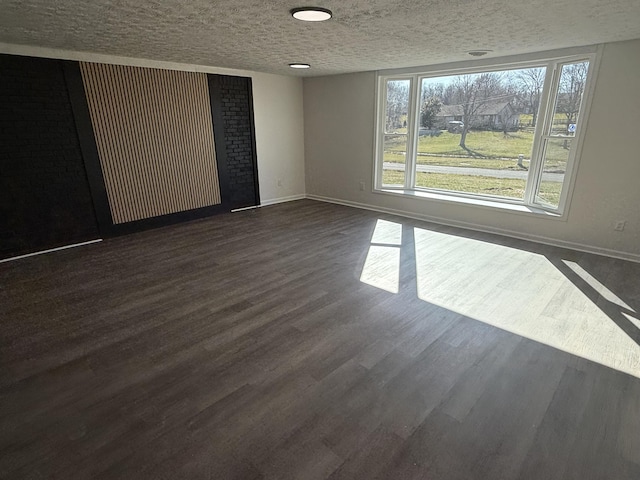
{"points": [[382, 265], [382, 268], [387, 233], [524, 293], [512, 289]]}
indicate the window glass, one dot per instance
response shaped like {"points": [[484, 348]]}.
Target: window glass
{"points": [[573, 78], [562, 128], [476, 131], [555, 157], [395, 132], [503, 133]]}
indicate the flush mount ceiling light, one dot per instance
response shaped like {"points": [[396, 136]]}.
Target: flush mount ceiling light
{"points": [[299, 65], [311, 14], [479, 53]]}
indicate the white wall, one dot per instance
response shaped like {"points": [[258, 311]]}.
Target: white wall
{"points": [[339, 153], [279, 136], [277, 110]]}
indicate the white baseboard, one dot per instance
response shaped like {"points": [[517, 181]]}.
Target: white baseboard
{"points": [[41, 252], [244, 208], [483, 228], [273, 201]]}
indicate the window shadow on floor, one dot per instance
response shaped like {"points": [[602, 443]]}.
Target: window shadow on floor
{"points": [[617, 309]]}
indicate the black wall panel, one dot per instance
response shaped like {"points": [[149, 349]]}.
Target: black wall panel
{"points": [[45, 200], [233, 98]]}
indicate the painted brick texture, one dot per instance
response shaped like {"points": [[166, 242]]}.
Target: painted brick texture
{"points": [[236, 114]]}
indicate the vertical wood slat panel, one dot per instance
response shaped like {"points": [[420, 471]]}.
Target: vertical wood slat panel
{"points": [[154, 136]]}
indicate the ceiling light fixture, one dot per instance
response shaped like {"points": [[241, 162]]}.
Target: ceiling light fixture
{"points": [[299, 65], [479, 53], [311, 14]]}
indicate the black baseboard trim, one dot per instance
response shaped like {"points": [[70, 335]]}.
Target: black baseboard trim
{"points": [[166, 220]]}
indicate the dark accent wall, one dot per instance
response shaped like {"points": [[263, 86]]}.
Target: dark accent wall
{"points": [[45, 201], [52, 188], [235, 103]]}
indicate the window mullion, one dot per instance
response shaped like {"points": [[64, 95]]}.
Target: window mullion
{"points": [[410, 156], [382, 102], [539, 140]]}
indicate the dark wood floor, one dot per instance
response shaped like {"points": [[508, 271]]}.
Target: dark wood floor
{"points": [[246, 346]]}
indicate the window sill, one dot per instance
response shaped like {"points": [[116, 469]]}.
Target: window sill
{"points": [[517, 208]]}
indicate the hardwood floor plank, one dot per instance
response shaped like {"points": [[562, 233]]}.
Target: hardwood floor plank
{"points": [[248, 346], [558, 431]]}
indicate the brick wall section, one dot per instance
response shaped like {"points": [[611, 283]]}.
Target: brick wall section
{"points": [[45, 200], [236, 114]]}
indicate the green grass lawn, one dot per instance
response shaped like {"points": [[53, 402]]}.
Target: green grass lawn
{"points": [[502, 187], [488, 150], [492, 150], [481, 143]]}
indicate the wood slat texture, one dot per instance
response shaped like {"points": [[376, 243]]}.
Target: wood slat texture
{"points": [[246, 346], [154, 135]]}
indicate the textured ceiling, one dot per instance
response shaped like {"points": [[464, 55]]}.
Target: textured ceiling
{"points": [[363, 35]]}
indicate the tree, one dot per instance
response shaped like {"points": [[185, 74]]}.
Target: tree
{"points": [[471, 92], [397, 103], [429, 110], [433, 90], [572, 82], [530, 82]]}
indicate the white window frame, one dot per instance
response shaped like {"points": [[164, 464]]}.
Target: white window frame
{"points": [[553, 64]]}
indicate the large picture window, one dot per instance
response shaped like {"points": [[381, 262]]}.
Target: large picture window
{"points": [[507, 134]]}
